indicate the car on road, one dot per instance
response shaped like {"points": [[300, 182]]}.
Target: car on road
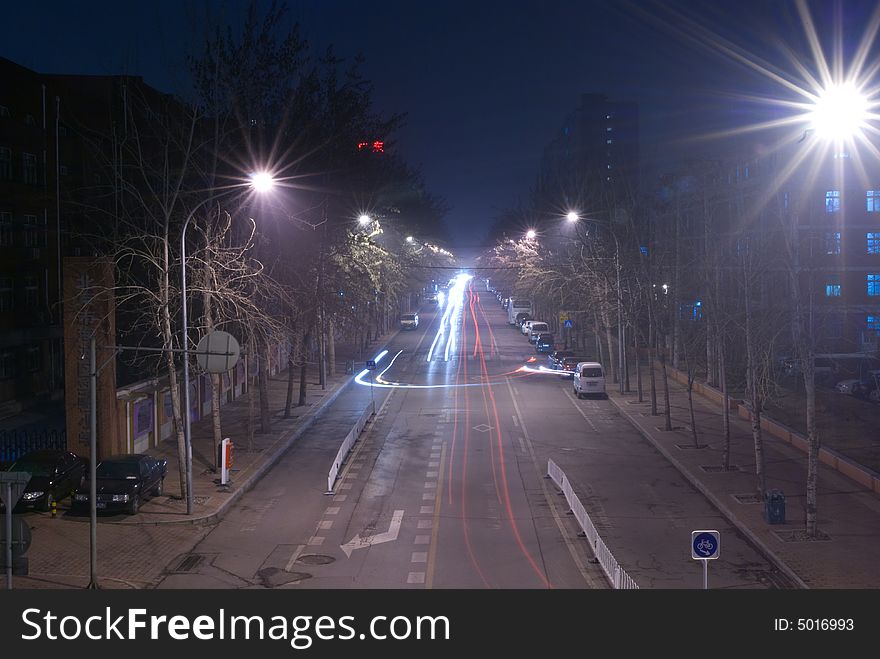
{"points": [[850, 385], [589, 380], [123, 482], [55, 475], [554, 359], [544, 343], [537, 328], [409, 321]]}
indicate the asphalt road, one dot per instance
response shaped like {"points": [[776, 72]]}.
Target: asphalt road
{"points": [[446, 486]]}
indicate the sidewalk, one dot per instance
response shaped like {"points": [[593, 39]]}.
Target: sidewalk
{"points": [[210, 499], [146, 542], [847, 553]]}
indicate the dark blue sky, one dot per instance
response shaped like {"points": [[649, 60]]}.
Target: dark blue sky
{"points": [[485, 85]]}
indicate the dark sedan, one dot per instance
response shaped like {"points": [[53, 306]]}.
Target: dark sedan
{"points": [[554, 359], [569, 364], [55, 474], [544, 343], [123, 482]]}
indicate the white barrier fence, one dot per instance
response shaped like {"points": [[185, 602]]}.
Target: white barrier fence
{"points": [[347, 443], [616, 575]]}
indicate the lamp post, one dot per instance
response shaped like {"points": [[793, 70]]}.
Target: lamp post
{"points": [[260, 182]]}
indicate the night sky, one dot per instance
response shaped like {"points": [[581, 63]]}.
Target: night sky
{"points": [[485, 85]]}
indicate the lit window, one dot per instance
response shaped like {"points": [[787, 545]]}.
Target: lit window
{"points": [[873, 243], [609, 129], [832, 201], [608, 141], [832, 286], [873, 284], [872, 201], [746, 171], [832, 242]]}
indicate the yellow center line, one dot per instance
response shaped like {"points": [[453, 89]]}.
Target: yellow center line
{"points": [[435, 526]]}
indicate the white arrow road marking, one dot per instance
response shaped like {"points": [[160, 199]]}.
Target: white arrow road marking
{"points": [[357, 542]]}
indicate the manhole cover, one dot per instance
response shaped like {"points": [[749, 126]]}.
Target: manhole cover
{"points": [[273, 576], [189, 563], [315, 559], [747, 498], [718, 468]]}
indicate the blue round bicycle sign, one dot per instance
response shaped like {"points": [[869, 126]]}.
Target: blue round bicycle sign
{"points": [[705, 545]]}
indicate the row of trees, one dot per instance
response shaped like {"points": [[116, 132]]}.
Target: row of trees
{"points": [[292, 265], [709, 273]]}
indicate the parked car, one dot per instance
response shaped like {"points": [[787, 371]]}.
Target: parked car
{"points": [[868, 388], [409, 321], [569, 364], [537, 328], [524, 328], [55, 475], [554, 359], [589, 379], [123, 482], [544, 343], [849, 386], [521, 318]]}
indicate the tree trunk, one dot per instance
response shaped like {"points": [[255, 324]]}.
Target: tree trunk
{"points": [[303, 369], [176, 403], [249, 379], [667, 410], [638, 367], [292, 358], [331, 351], [612, 364], [652, 356], [263, 384], [811, 521], [725, 413], [216, 388], [753, 385]]}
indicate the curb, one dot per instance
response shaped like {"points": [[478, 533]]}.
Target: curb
{"points": [[745, 530], [286, 443]]}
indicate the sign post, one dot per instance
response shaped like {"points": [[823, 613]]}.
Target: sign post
{"points": [[705, 546], [371, 366], [226, 447]]}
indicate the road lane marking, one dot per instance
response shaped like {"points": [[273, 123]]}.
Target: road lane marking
{"points": [[316, 540], [435, 525], [581, 411], [429, 486], [550, 500], [426, 510], [332, 510], [422, 540], [326, 524], [340, 497], [515, 421], [358, 542], [419, 557], [522, 444], [293, 557], [434, 463], [415, 577]]}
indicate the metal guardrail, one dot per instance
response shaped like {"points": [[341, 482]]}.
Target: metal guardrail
{"points": [[17, 442], [347, 443], [617, 576]]}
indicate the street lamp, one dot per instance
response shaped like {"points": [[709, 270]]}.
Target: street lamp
{"points": [[530, 234], [409, 239], [839, 112], [260, 182], [364, 219], [572, 217]]}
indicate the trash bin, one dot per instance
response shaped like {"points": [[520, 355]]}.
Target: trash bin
{"points": [[775, 507]]}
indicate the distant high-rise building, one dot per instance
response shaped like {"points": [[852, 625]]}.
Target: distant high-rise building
{"points": [[594, 159]]}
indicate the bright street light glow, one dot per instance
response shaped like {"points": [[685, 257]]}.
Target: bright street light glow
{"points": [[364, 219], [409, 239], [262, 181], [572, 217], [840, 112], [530, 234]]}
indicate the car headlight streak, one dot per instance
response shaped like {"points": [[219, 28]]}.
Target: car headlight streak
{"points": [[451, 316]]}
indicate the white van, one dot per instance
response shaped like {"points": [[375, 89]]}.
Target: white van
{"points": [[536, 328], [515, 306], [589, 379]]}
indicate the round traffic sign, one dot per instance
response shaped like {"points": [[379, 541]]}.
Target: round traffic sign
{"points": [[705, 545], [218, 352]]}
